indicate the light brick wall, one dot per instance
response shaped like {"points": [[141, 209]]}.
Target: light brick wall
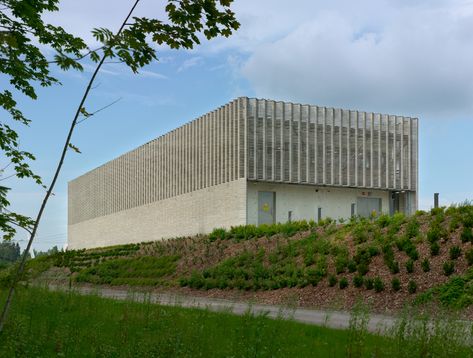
{"points": [[201, 211], [304, 200]]}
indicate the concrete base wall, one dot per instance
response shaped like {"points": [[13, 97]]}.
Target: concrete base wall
{"points": [[197, 212], [304, 201]]}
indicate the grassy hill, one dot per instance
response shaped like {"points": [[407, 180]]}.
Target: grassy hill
{"points": [[385, 261]]}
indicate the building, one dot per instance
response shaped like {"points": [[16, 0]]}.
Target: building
{"points": [[251, 161]]}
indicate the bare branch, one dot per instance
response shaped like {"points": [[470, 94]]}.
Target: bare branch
{"points": [[100, 109], [82, 56], [7, 177]]}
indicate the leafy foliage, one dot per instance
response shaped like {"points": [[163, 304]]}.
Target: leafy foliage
{"points": [[395, 284], [343, 283], [378, 284], [425, 264], [27, 39], [410, 266], [141, 271], [448, 268], [455, 252], [412, 287]]}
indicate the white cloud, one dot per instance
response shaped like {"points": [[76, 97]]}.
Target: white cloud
{"points": [[146, 73], [192, 62], [410, 60], [405, 56]]}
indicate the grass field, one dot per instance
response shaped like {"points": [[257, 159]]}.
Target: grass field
{"points": [[46, 324]]}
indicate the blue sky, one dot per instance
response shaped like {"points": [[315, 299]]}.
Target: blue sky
{"points": [[402, 57]]}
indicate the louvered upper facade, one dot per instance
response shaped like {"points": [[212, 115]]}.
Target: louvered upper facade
{"points": [[257, 140]]}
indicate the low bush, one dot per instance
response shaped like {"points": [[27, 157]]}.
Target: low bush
{"points": [[362, 269], [394, 267], [384, 220], [455, 252], [425, 264], [218, 234], [341, 263], [434, 249], [351, 266], [455, 293], [360, 233], [435, 233], [412, 228], [357, 281], [343, 283], [412, 287], [395, 284], [140, 271], [378, 284], [466, 235], [448, 268], [332, 280], [369, 284], [410, 266]]}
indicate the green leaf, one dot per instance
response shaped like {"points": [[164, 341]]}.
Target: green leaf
{"points": [[74, 148]]}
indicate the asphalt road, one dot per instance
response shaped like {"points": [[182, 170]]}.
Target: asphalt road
{"points": [[333, 319]]}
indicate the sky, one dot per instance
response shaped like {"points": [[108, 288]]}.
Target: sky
{"points": [[409, 58]]}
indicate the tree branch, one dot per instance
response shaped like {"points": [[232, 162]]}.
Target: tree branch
{"points": [[100, 109], [21, 267]]}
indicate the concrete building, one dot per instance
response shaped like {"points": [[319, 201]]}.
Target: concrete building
{"points": [[251, 161]]}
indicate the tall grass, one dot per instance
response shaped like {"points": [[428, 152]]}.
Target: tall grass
{"points": [[45, 324]]}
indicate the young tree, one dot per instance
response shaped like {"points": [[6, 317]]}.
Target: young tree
{"points": [[26, 65]]}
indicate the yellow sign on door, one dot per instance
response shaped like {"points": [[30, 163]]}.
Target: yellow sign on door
{"points": [[266, 207]]}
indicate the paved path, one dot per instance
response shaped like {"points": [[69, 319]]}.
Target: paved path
{"points": [[327, 318]]}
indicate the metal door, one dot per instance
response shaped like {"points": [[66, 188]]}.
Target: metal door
{"points": [[366, 206], [266, 207]]}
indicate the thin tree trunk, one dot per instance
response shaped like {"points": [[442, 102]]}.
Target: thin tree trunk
{"points": [[21, 268]]}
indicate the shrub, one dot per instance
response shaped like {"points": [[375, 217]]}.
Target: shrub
{"points": [[434, 234], [360, 234], [448, 268], [369, 283], [321, 266], [467, 234], [373, 251], [412, 229], [243, 232], [332, 280], [340, 263], [425, 264], [455, 252], [218, 234], [434, 249], [343, 283], [454, 223], [469, 257], [413, 253], [357, 280], [396, 284], [309, 258], [351, 266], [384, 220], [313, 276], [412, 287], [410, 266], [394, 267], [378, 284], [362, 269]]}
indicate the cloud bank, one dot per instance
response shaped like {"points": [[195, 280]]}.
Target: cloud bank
{"points": [[411, 58]]}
